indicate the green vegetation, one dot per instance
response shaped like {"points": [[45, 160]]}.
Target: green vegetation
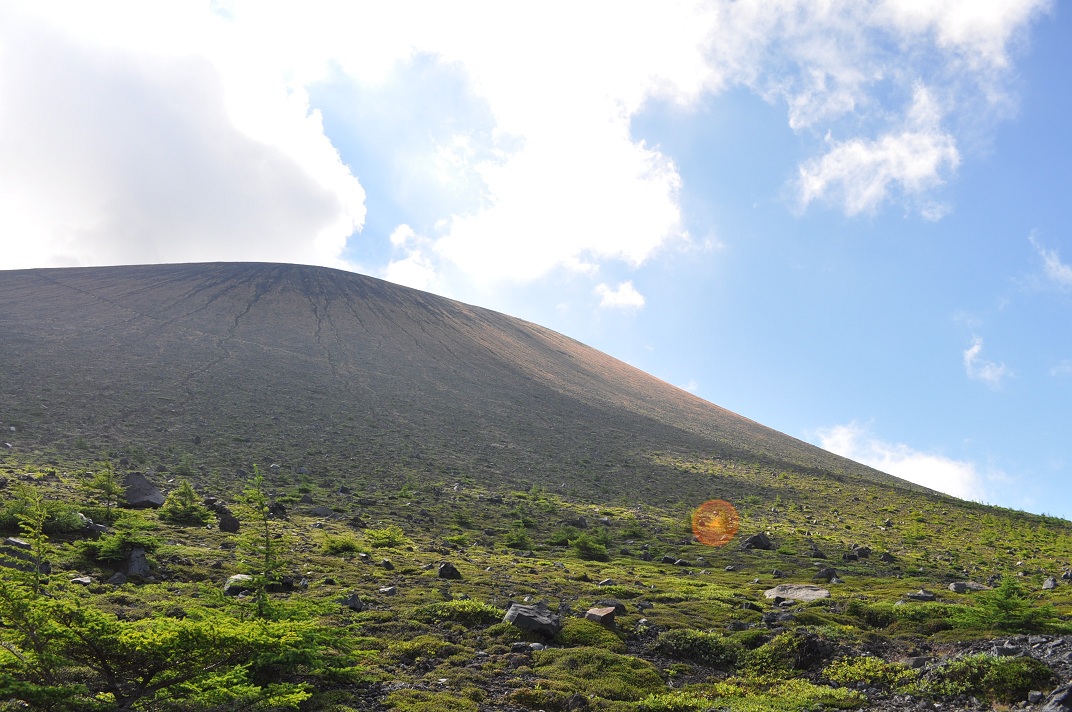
{"points": [[183, 506]]}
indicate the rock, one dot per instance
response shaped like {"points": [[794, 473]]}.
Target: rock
{"points": [[448, 570], [681, 562], [1034, 697], [277, 510], [850, 556], [536, 618], [117, 579], [797, 592], [1060, 700], [668, 559], [826, 573], [814, 552], [353, 602], [389, 591], [140, 493], [919, 662], [321, 511], [18, 543], [777, 573], [614, 603], [137, 565], [603, 615], [1049, 584], [731, 568], [228, 523], [862, 552], [305, 499], [887, 558], [239, 583], [386, 563], [921, 595], [82, 580], [606, 582], [757, 541]]}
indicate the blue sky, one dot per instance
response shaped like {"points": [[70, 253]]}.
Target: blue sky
{"points": [[847, 221]]}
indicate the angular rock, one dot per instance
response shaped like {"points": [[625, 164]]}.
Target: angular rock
{"points": [[757, 541], [449, 571], [827, 573], [136, 564], [797, 592], [602, 615], [1060, 700], [606, 582], [668, 559], [537, 618], [321, 511], [353, 602], [386, 563], [921, 595], [82, 580], [887, 557], [276, 510], [239, 583], [389, 591], [18, 543], [140, 493], [862, 552], [117, 579], [1049, 584], [614, 603], [229, 523]]}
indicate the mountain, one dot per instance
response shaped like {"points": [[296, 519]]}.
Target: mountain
{"points": [[352, 377]]}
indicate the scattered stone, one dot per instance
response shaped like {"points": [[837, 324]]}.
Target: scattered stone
{"points": [[921, 595], [117, 579], [82, 580], [796, 592], [1049, 584], [919, 662], [386, 563], [668, 559], [276, 510], [389, 591], [238, 583], [140, 493], [536, 618], [229, 523], [967, 587], [448, 570], [850, 556], [603, 615], [137, 565], [827, 573], [1060, 700], [18, 543], [887, 558], [614, 603], [1008, 650], [353, 602], [321, 511], [862, 552], [731, 568], [305, 499], [815, 552], [1034, 697], [757, 541], [681, 562]]}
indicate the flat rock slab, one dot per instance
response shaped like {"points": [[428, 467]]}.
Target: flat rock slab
{"points": [[797, 592]]}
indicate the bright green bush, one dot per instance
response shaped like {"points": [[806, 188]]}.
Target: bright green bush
{"points": [[386, 537], [996, 679], [589, 548], [579, 632], [469, 611], [183, 506], [340, 544], [699, 646], [868, 669], [1006, 608]]}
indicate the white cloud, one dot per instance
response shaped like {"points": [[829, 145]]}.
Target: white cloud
{"points": [[980, 369], [175, 131], [624, 296], [1056, 271], [959, 478], [123, 143], [1062, 369], [859, 174]]}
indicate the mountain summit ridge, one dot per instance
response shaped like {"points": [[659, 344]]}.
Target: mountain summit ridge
{"points": [[327, 369]]}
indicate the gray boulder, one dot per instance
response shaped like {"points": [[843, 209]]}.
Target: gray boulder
{"points": [[239, 583], [537, 618], [140, 493], [757, 541], [353, 602], [1060, 700], [137, 565], [1049, 584], [229, 523], [448, 570]]}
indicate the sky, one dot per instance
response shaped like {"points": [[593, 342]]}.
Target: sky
{"points": [[849, 221]]}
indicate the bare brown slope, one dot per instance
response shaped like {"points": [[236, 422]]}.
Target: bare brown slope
{"points": [[344, 373]]}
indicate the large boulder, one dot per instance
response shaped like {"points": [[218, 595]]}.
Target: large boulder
{"points": [[137, 564], [757, 541], [537, 618], [797, 592], [448, 570], [140, 493], [239, 583]]}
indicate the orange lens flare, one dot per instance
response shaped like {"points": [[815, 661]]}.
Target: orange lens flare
{"points": [[715, 522]]}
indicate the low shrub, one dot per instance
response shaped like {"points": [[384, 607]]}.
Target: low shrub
{"points": [[386, 537], [340, 544], [869, 670], [707, 648], [981, 675], [579, 632], [469, 612]]}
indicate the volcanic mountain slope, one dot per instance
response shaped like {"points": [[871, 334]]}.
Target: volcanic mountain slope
{"points": [[230, 364]]}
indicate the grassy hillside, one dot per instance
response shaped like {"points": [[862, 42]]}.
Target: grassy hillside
{"points": [[394, 426]]}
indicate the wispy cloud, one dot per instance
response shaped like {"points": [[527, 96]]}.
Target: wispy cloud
{"points": [[624, 296], [960, 478], [1062, 369], [978, 368], [1058, 272]]}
